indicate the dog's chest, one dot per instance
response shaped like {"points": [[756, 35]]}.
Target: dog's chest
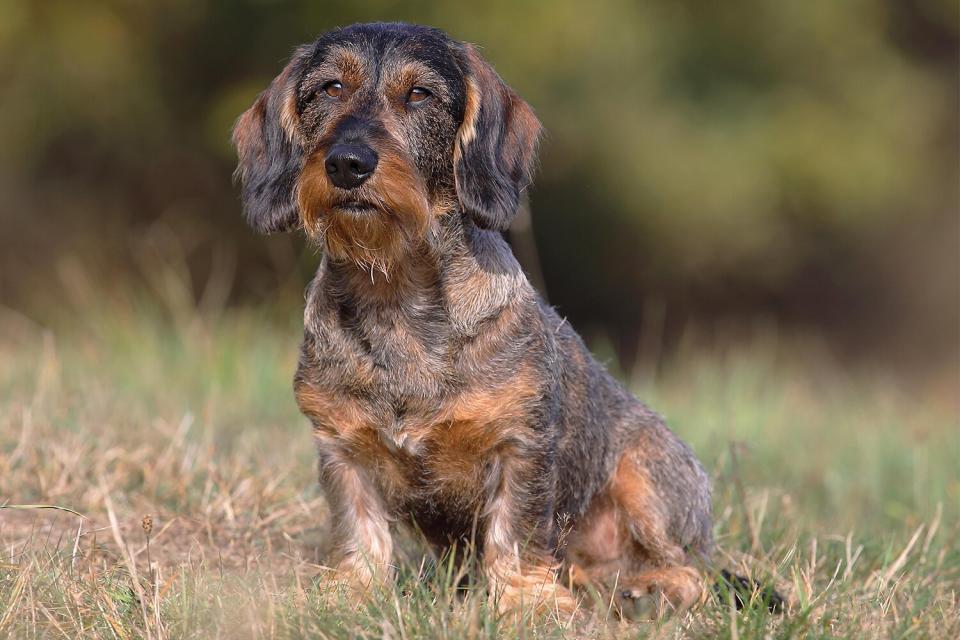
{"points": [[431, 453], [407, 403], [425, 430]]}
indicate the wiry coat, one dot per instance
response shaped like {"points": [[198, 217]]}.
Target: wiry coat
{"points": [[443, 392]]}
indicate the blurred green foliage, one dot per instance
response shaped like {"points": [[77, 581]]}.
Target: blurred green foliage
{"points": [[797, 159]]}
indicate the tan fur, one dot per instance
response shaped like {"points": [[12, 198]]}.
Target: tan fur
{"points": [[673, 588], [623, 540], [246, 133], [468, 130], [374, 241], [344, 64], [289, 120], [459, 436], [330, 411]]}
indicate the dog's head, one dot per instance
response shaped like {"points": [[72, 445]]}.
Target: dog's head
{"points": [[373, 132]]}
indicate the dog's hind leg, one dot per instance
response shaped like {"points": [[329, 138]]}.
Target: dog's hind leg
{"points": [[658, 568], [626, 542]]}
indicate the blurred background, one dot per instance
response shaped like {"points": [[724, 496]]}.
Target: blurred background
{"points": [[709, 168]]}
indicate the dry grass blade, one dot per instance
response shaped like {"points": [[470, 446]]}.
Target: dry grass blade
{"points": [[129, 561], [42, 506], [897, 564]]}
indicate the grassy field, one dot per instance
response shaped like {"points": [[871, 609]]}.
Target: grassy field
{"points": [[843, 489]]}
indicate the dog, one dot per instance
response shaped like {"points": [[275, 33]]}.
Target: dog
{"points": [[443, 392]]}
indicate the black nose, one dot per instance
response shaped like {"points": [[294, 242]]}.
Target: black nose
{"points": [[349, 165]]}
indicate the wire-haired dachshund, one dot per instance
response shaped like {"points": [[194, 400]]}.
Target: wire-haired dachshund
{"points": [[443, 392]]}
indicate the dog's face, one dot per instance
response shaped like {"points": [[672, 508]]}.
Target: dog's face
{"points": [[373, 132]]}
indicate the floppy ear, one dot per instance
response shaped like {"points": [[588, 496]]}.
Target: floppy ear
{"points": [[270, 156], [496, 145]]}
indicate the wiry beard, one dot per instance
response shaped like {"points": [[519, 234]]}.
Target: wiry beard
{"points": [[373, 225]]}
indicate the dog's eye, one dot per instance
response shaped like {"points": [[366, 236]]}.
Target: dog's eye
{"points": [[333, 89], [417, 94]]}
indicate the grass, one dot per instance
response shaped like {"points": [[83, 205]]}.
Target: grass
{"points": [[840, 488]]}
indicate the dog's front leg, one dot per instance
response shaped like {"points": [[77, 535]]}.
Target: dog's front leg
{"points": [[518, 561], [361, 528]]}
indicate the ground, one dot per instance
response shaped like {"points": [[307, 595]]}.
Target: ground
{"points": [[839, 487]]}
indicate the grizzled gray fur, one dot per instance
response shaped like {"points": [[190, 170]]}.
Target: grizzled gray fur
{"points": [[443, 392]]}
